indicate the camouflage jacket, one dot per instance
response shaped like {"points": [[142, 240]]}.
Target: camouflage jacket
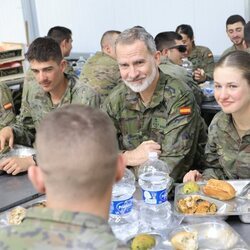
{"points": [[181, 134], [7, 115], [44, 228], [227, 155], [203, 58], [102, 73], [230, 49], [181, 74], [36, 104]]}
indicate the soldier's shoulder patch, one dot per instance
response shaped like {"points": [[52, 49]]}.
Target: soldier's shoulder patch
{"points": [[210, 55], [7, 106], [185, 110]]}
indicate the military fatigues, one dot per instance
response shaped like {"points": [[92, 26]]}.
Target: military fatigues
{"points": [[227, 155], [202, 58], [36, 104], [164, 120], [230, 49], [102, 73], [7, 115], [44, 228], [181, 74]]}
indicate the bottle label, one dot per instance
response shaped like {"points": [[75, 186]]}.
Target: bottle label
{"points": [[121, 207], [154, 197]]}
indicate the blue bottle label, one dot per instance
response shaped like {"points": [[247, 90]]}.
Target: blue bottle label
{"points": [[121, 207], [154, 197]]}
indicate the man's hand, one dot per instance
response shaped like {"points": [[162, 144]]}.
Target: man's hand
{"points": [[6, 136], [199, 75], [139, 155], [15, 165], [192, 175]]}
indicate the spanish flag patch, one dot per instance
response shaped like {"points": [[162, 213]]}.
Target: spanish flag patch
{"points": [[185, 110], [7, 106]]}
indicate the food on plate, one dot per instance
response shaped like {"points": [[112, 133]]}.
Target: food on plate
{"points": [[16, 215], [185, 241], [196, 205], [190, 187], [219, 189], [143, 242]]}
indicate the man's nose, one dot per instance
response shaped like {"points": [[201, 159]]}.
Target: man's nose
{"points": [[133, 72]]}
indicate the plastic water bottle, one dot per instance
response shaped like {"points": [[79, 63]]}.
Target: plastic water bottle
{"points": [[123, 217], [188, 66], [79, 65], [154, 181]]}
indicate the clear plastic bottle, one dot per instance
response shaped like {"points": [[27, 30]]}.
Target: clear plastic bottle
{"points": [[187, 65], [154, 181], [123, 217], [79, 65]]}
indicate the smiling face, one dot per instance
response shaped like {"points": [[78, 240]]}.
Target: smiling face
{"points": [[138, 67], [231, 90], [48, 74], [236, 33]]}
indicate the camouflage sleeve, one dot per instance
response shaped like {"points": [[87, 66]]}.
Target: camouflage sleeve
{"points": [[181, 135], [212, 167], [208, 63], [24, 128], [7, 115]]}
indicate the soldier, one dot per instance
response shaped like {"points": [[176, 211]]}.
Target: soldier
{"points": [[235, 31], [200, 56], [78, 198], [153, 111], [51, 89], [228, 148], [101, 71], [172, 51], [7, 114], [247, 36]]}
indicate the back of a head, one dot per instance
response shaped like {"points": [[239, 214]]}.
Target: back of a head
{"points": [[247, 34], [59, 33], [236, 59], [235, 19], [109, 38], [129, 36], [185, 29], [165, 40], [44, 49], [77, 151]]}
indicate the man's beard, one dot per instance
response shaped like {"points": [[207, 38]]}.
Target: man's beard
{"points": [[140, 87]]}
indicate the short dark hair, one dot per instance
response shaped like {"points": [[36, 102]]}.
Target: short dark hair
{"points": [[235, 19], [236, 59], [44, 49], [247, 34], [108, 35], [60, 33], [165, 40], [186, 30]]}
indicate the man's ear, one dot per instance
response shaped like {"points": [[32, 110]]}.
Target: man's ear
{"points": [[36, 177], [164, 52], [157, 57], [120, 168], [63, 65]]}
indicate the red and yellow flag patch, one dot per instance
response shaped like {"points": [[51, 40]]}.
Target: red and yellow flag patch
{"points": [[7, 106], [185, 110]]}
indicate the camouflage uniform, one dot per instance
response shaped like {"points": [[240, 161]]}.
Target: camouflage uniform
{"points": [[248, 50], [230, 49], [202, 58], [7, 115], [181, 74], [36, 104], [102, 73], [44, 228], [227, 155], [180, 135]]}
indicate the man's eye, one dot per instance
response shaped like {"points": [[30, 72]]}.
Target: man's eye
{"points": [[217, 86]]}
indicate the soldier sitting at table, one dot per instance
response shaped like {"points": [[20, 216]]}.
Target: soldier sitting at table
{"points": [[76, 170]]}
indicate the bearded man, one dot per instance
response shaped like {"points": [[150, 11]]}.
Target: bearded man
{"points": [[153, 112]]}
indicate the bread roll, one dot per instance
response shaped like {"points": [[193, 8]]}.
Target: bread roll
{"points": [[219, 189], [185, 241]]}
